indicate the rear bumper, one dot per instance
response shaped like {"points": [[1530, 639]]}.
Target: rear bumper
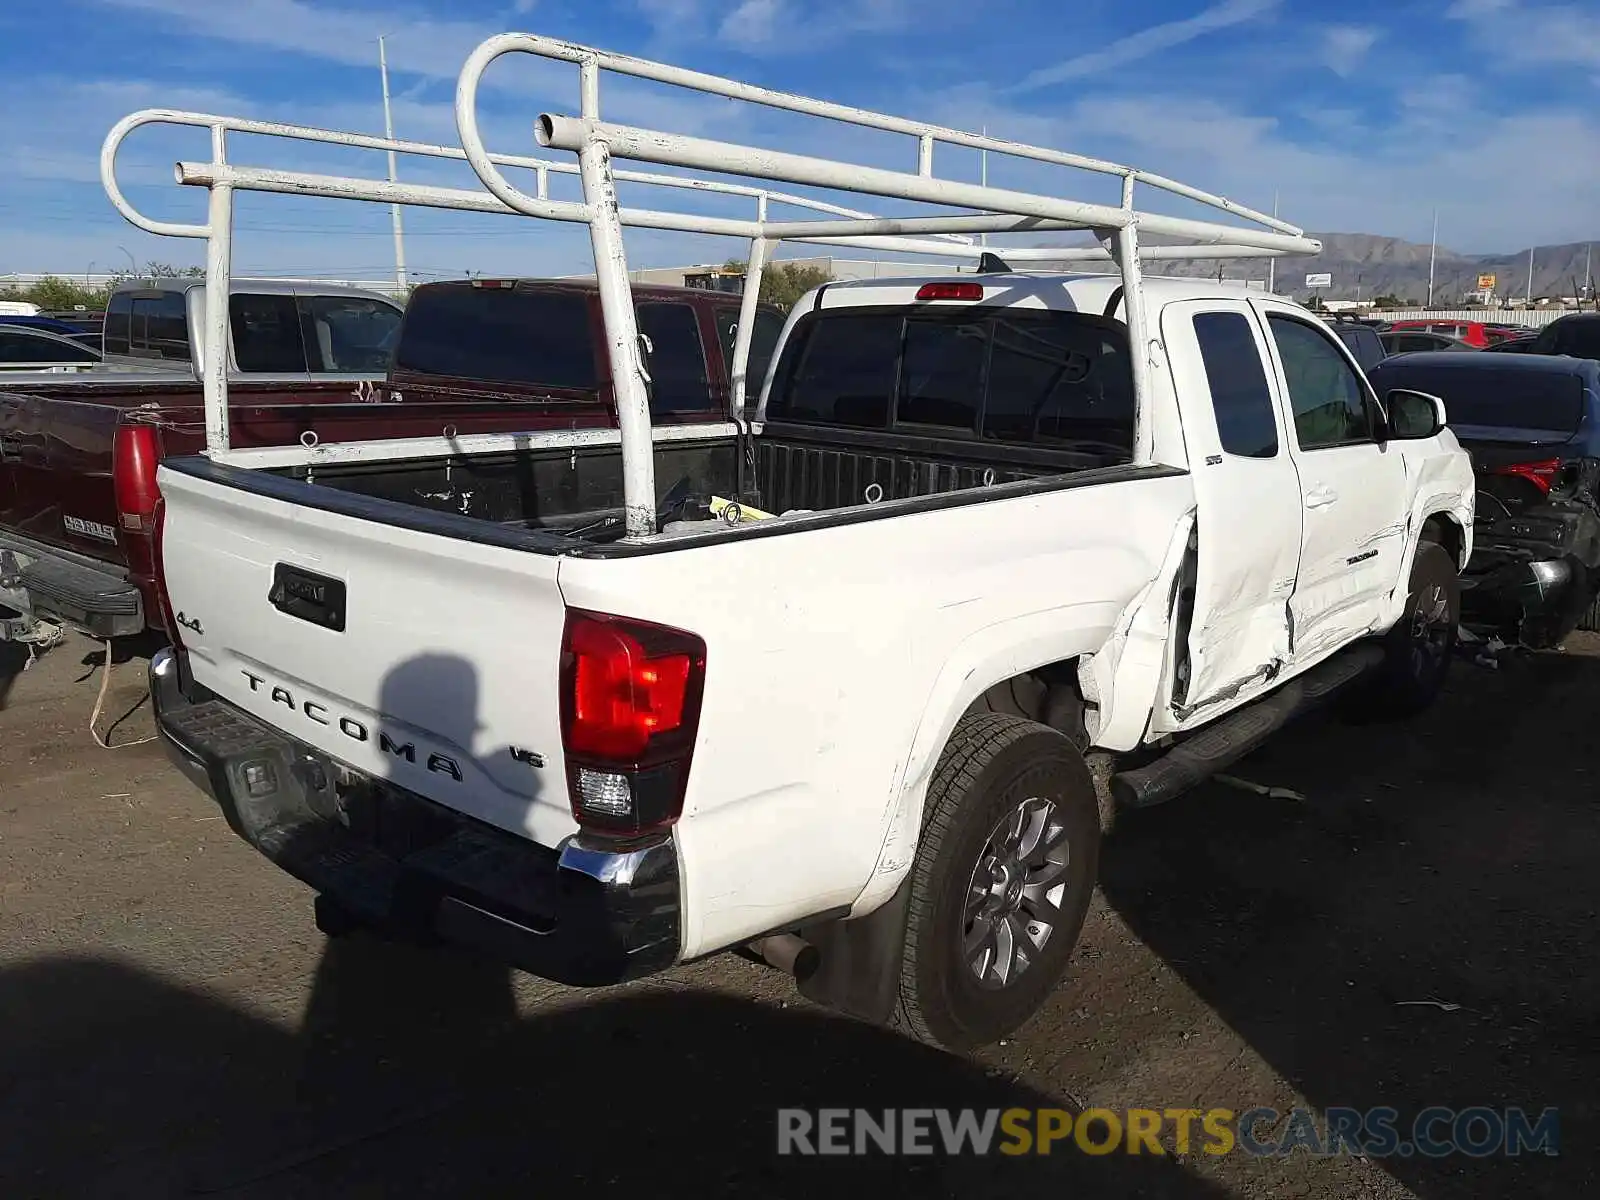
{"points": [[1536, 602], [393, 861], [72, 591]]}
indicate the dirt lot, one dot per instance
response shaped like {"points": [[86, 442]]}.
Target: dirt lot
{"points": [[172, 1024]]}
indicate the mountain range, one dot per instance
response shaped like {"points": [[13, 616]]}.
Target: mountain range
{"points": [[1389, 266]]}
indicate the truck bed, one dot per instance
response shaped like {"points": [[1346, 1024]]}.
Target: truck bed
{"points": [[785, 467]]}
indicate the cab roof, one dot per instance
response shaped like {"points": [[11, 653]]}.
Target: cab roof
{"points": [[1072, 292]]}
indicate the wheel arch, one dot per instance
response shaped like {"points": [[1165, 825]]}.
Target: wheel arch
{"points": [[1051, 642]]}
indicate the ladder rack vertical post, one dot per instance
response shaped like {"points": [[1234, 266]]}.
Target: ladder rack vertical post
{"points": [[740, 367], [1125, 249], [219, 287], [628, 377]]}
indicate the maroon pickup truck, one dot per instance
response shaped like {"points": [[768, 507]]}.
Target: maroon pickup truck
{"points": [[78, 454]]}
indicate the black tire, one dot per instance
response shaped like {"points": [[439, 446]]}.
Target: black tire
{"points": [[993, 767], [1419, 649]]}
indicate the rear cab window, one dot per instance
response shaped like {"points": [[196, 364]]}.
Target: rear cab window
{"points": [[545, 338], [500, 335], [680, 381], [1024, 376], [763, 340], [1520, 405]]}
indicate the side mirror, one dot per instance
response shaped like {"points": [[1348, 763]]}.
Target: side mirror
{"points": [[1413, 416]]}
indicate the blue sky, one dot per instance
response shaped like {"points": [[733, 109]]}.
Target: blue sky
{"points": [[1362, 115]]}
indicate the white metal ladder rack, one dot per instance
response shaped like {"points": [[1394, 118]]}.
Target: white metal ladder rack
{"points": [[596, 143]]}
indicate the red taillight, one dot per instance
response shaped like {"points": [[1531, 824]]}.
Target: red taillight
{"points": [[1541, 474], [630, 708], [950, 291], [135, 456], [498, 284]]}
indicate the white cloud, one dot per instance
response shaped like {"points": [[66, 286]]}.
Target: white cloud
{"points": [[1345, 47], [1381, 175], [524, 7], [1149, 41], [753, 23], [1548, 35]]}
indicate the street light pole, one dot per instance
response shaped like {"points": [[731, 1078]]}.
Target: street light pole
{"points": [[394, 209], [1433, 249]]}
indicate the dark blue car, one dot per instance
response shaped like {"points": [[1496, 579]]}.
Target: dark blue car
{"points": [[1532, 425], [48, 324]]}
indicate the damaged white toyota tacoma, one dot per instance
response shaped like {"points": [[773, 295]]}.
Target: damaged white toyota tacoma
{"points": [[822, 683]]}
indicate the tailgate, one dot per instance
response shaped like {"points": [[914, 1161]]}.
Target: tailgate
{"points": [[427, 660]]}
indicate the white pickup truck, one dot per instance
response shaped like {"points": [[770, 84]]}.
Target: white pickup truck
{"points": [[984, 526]]}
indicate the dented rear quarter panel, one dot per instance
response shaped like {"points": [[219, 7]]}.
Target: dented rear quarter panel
{"points": [[838, 660]]}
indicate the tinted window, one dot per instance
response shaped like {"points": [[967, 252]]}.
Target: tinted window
{"points": [[1055, 377], [118, 314], [19, 347], [1580, 339], [764, 337], [841, 373], [1327, 397], [348, 333], [506, 335], [1238, 384], [1362, 343], [1011, 375], [941, 374], [1493, 397], [679, 381], [160, 326], [266, 335]]}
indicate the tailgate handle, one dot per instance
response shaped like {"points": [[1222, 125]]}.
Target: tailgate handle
{"points": [[308, 596]]}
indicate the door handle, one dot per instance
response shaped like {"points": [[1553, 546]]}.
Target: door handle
{"points": [[1321, 496]]}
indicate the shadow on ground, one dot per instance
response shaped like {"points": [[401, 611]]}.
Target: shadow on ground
{"points": [[412, 1075], [1453, 861], [13, 661]]}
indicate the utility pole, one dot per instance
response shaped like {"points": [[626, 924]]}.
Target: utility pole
{"points": [[1272, 263], [1433, 249], [394, 209], [1529, 298]]}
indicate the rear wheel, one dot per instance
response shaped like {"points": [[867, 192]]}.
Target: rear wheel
{"points": [[1418, 650], [1001, 881]]}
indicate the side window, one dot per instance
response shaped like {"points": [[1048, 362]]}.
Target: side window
{"points": [[839, 370], [348, 333], [1327, 396], [160, 326], [679, 380], [266, 335], [942, 376], [117, 329], [17, 347], [1238, 381]]}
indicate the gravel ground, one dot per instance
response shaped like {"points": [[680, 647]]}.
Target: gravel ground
{"points": [[172, 1024]]}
